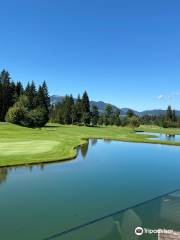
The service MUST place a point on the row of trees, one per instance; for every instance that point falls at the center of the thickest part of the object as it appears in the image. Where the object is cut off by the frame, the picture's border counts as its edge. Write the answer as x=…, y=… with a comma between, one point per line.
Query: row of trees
x=9, y=93
x=78, y=111
x=31, y=107
x=27, y=107
x=170, y=119
x=72, y=112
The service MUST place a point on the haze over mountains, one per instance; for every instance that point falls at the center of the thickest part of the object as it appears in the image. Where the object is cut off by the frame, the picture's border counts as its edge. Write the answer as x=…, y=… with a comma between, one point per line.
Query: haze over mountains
x=102, y=105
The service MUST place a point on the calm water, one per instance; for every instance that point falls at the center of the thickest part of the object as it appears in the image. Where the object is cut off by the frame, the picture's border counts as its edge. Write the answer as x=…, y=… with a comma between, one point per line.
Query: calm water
x=106, y=177
x=162, y=137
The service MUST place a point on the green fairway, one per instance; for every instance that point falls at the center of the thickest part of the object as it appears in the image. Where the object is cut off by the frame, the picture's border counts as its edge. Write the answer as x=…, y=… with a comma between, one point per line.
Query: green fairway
x=19, y=145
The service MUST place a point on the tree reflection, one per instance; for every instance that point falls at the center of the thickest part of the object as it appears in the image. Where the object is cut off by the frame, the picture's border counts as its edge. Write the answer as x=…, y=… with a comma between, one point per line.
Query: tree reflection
x=107, y=141
x=84, y=149
x=93, y=142
x=3, y=174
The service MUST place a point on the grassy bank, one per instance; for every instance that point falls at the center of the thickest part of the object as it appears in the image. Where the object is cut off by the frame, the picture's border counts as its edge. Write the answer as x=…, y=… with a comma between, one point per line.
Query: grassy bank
x=19, y=145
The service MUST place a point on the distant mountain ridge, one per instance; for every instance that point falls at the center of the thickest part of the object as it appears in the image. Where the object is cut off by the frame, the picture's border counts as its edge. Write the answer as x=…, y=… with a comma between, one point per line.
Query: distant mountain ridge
x=102, y=105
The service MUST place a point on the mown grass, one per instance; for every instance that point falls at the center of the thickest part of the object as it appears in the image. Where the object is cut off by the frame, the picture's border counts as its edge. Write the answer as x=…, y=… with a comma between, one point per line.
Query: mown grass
x=21, y=146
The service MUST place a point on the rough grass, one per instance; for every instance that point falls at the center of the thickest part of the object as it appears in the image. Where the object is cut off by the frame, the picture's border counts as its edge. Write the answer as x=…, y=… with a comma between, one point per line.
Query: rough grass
x=19, y=145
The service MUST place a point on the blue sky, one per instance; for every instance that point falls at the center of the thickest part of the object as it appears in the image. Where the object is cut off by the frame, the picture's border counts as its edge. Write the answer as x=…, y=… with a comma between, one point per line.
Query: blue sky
x=123, y=52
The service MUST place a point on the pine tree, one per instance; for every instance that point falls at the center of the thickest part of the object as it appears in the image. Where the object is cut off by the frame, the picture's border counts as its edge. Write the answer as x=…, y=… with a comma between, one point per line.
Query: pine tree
x=12, y=92
x=94, y=115
x=169, y=113
x=46, y=96
x=174, y=118
x=101, y=119
x=86, y=116
x=130, y=113
x=116, y=118
x=78, y=109
x=42, y=100
x=1, y=102
x=108, y=115
x=74, y=115
x=68, y=107
x=31, y=93
x=72, y=112
x=19, y=89
x=6, y=94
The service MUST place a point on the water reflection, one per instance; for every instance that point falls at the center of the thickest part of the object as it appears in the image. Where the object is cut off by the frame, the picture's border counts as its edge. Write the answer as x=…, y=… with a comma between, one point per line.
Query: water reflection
x=4, y=171
x=107, y=141
x=161, y=136
x=93, y=142
x=97, y=188
x=3, y=175
x=170, y=137
x=84, y=149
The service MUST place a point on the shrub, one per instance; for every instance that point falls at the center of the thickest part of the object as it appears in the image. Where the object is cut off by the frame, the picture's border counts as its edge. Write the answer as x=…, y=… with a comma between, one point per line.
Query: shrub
x=21, y=114
x=134, y=122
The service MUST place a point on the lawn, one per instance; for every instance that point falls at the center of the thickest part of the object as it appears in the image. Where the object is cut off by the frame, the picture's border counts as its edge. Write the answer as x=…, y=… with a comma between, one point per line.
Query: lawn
x=19, y=145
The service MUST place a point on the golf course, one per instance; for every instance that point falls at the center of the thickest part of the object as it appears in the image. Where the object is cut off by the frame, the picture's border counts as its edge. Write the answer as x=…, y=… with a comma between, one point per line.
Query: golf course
x=55, y=142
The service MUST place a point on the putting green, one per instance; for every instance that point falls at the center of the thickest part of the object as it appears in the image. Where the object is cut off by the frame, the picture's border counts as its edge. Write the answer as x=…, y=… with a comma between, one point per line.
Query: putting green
x=26, y=147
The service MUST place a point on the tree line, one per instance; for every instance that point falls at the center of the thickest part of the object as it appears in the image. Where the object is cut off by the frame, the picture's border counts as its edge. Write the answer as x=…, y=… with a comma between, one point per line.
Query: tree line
x=30, y=107
x=170, y=119
x=27, y=106
x=78, y=111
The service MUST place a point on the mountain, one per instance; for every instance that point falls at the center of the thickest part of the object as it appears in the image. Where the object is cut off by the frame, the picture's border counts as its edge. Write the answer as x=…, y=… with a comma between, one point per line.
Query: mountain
x=54, y=99
x=102, y=105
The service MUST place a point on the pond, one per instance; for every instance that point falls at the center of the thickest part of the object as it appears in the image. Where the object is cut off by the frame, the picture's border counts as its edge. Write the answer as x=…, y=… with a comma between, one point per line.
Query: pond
x=41, y=201
x=162, y=137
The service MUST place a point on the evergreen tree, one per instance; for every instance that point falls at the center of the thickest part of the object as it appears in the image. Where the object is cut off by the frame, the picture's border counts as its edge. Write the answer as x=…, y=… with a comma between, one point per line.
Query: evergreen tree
x=169, y=113
x=95, y=115
x=78, y=109
x=108, y=116
x=86, y=116
x=31, y=93
x=174, y=118
x=68, y=109
x=72, y=112
x=12, y=92
x=42, y=100
x=58, y=113
x=6, y=94
x=19, y=89
x=74, y=115
x=46, y=98
x=101, y=119
x=130, y=113
x=116, y=118
x=1, y=100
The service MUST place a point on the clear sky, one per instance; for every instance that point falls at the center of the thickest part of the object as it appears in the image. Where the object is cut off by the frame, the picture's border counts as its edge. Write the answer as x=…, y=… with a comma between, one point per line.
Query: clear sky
x=121, y=51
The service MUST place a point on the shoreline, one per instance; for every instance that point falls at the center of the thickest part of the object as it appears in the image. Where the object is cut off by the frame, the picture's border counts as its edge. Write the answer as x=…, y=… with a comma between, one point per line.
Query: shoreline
x=85, y=141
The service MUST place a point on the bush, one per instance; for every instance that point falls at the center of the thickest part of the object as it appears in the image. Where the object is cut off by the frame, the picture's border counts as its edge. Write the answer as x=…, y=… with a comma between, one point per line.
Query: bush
x=22, y=115
x=134, y=122
x=15, y=114
x=35, y=118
